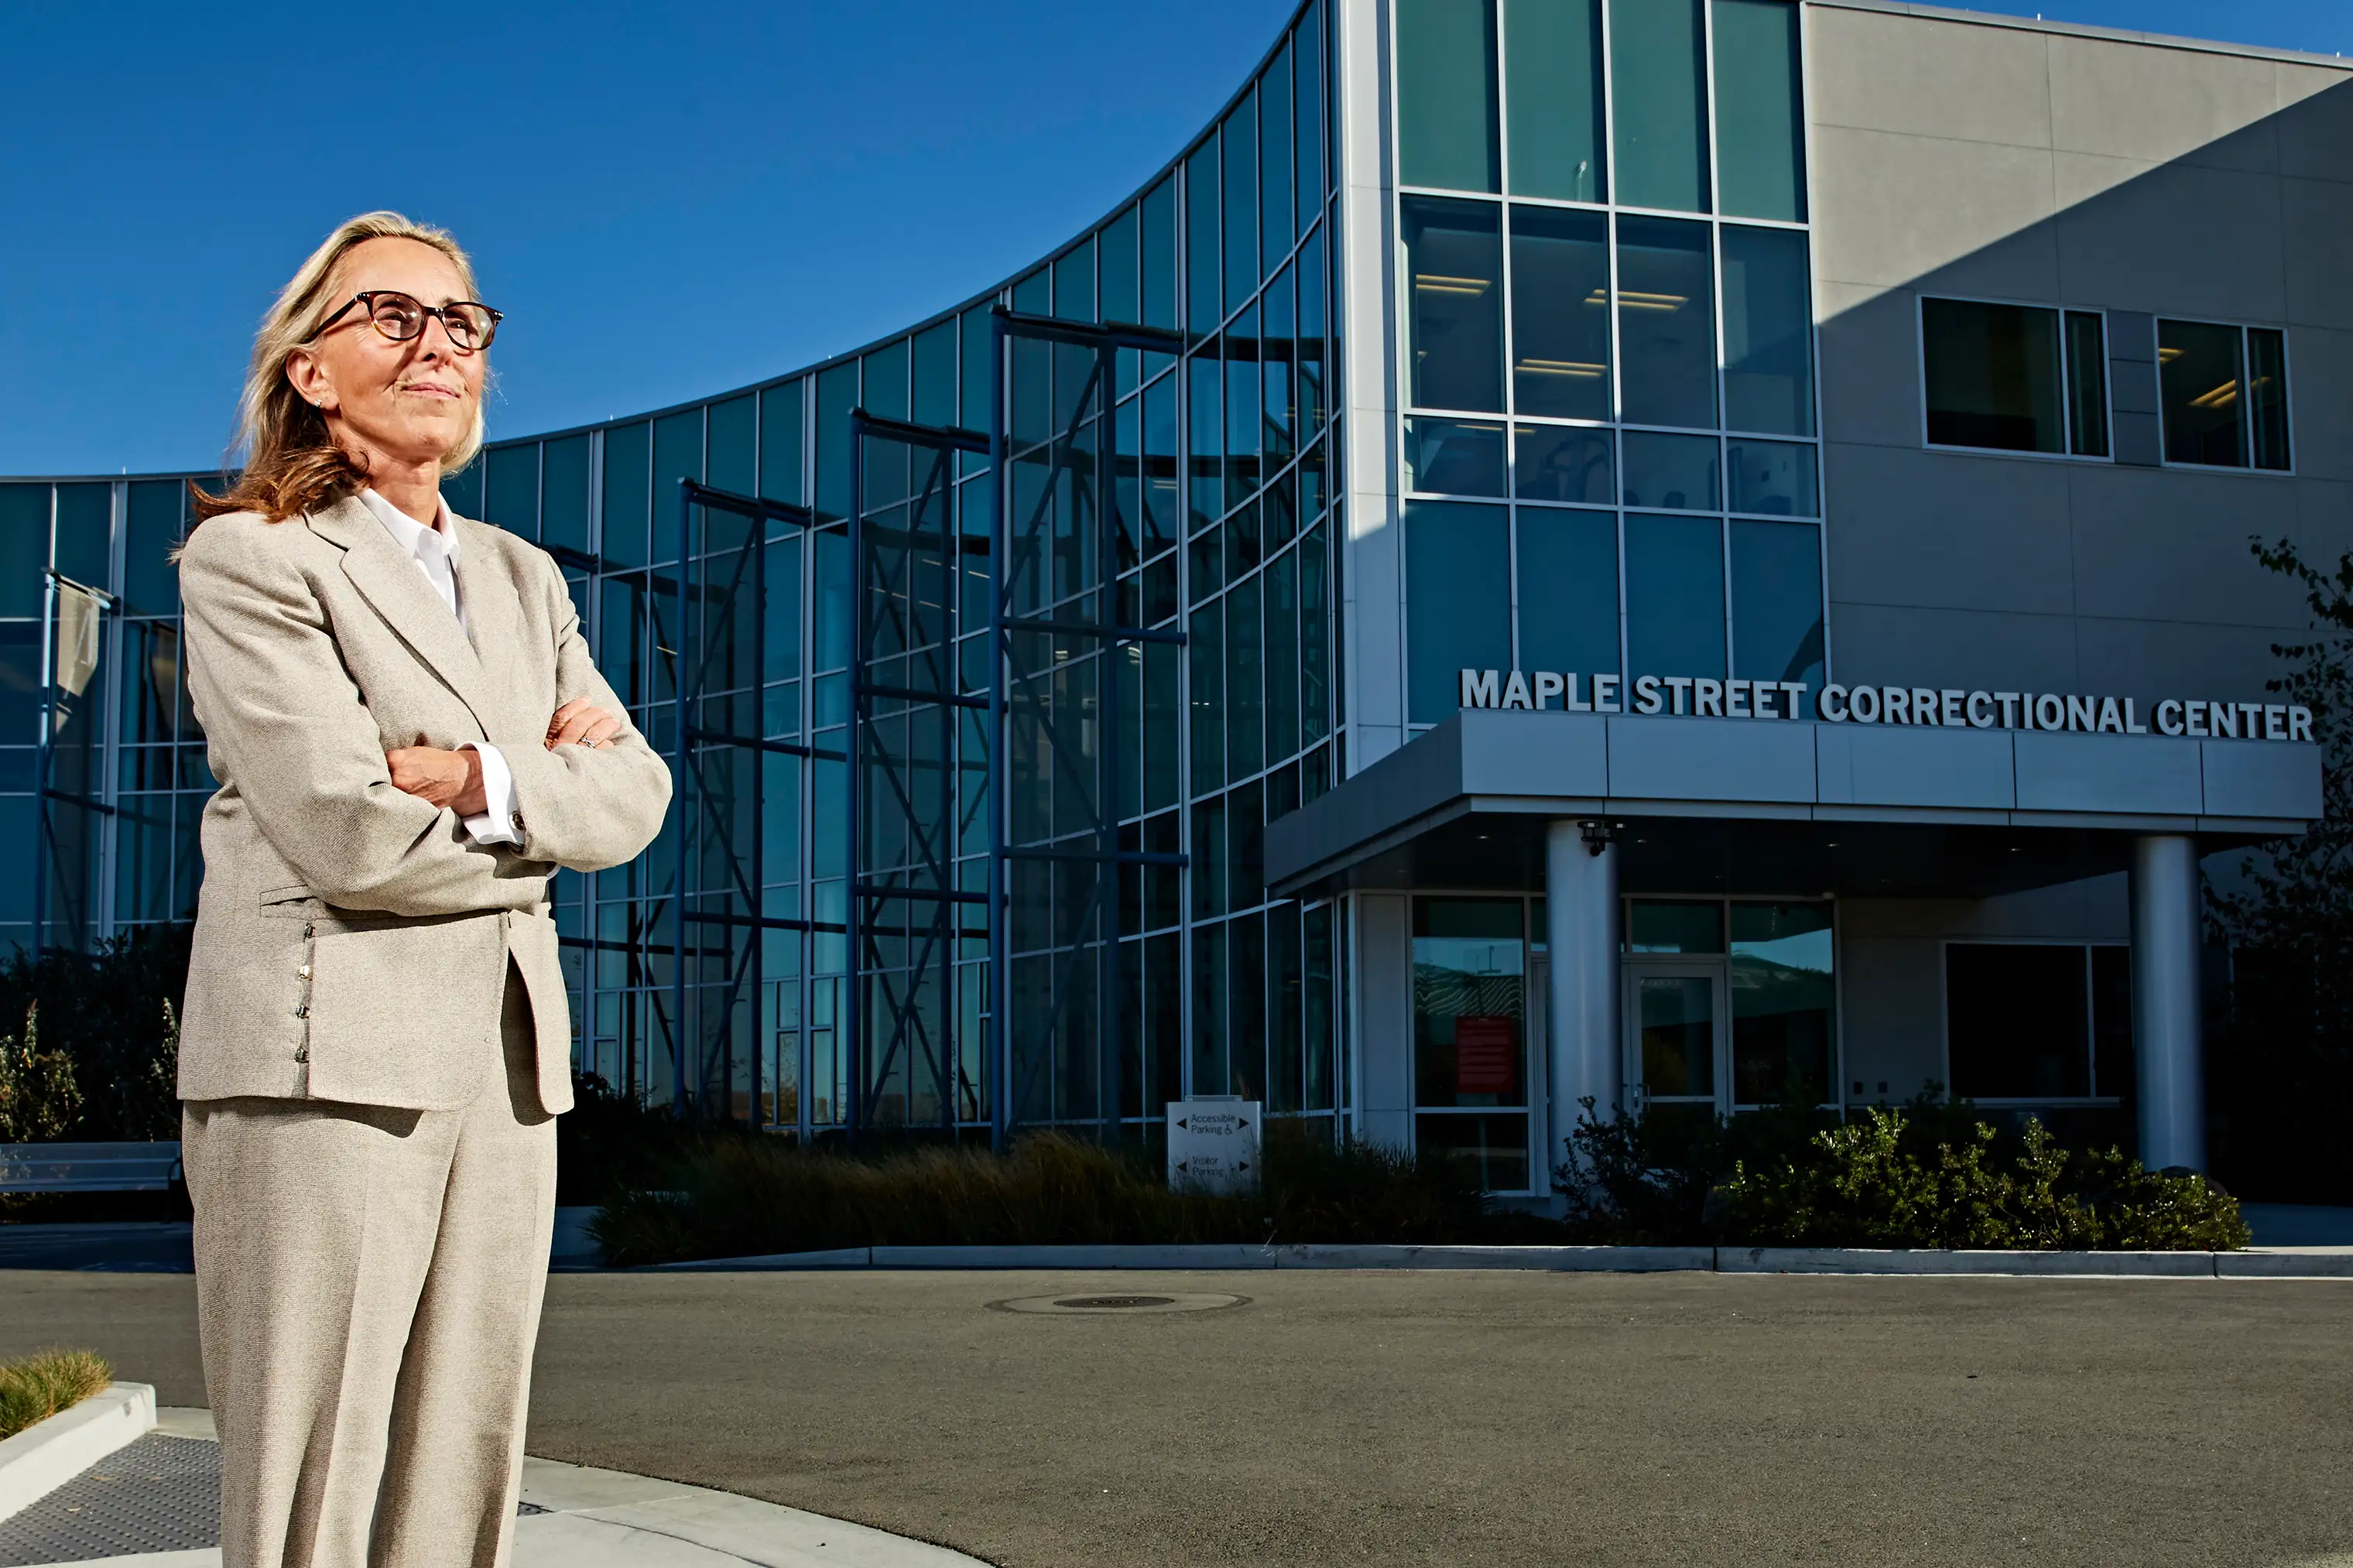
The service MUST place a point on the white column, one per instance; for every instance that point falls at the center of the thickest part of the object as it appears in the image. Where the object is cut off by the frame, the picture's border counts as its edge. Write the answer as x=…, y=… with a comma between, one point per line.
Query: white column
x=1581, y=930
x=2168, y=1054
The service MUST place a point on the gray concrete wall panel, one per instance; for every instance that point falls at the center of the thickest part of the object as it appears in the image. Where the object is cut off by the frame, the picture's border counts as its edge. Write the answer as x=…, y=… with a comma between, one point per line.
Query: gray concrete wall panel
x=1657, y=758
x=2153, y=660
x=1890, y=209
x=1383, y=1028
x=2173, y=238
x=2105, y=773
x=1979, y=649
x=1953, y=529
x=2159, y=105
x=1928, y=77
x=1870, y=364
x=2257, y=778
x=1566, y=756
x=2172, y=545
x=1864, y=764
x=2317, y=239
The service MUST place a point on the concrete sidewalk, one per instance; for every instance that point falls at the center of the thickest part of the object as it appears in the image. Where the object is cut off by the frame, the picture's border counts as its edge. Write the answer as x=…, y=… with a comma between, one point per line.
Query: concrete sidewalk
x=166, y=1489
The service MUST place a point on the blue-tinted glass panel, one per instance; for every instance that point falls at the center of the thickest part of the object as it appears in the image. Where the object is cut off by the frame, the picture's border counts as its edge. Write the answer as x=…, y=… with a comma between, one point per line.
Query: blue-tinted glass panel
x=734, y=445
x=935, y=373
x=1455, y=325
x=836, y=395
x=1277, y=351
x=24, y=547
x=1118, y=264
x=511, y=494
x=1074, y=282
x=150, y=582
x=1454, y=457
x=1275, y=230
x=1458, y=601
x=20, y=684
x=884, y=389
x=1552, y=63
x=1560, y=313
x=627, y=457
x=1161, y=502
x=678, y=455
x=1158, y=223
x=463, y=489
x=1241, y=407
x=1307, y=48
x=1674, y=597
x=1315, y=636
x=1776, y=477
x=1568, y=592
x=1777, y=603
x=1204, y=416
x=85, y=521
x=1768, y=337
x=1678, y=472
x=1563, y=463
x=1282, y=657
x=1240, y=138
x=1205, y=645
x=1245, y=683
x=1312, y=404
x=1759, y=123
x=1992, y=375
x=1659, y=83
x=976, y=372
x=564, y=504
x=1666, y=323
x=1202, y=264
x=1446, y=95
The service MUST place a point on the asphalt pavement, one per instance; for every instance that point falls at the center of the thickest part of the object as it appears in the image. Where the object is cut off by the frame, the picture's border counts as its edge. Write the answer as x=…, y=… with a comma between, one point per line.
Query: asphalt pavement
x=1396, y=1418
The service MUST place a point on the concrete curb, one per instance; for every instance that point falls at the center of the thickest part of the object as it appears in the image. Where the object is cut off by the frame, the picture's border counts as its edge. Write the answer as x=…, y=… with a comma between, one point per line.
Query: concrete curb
x=47, y=1454
x=2274, y=1263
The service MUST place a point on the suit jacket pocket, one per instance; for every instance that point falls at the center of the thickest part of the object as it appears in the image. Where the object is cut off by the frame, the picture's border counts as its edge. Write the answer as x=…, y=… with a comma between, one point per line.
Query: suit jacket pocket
x=403, y=1010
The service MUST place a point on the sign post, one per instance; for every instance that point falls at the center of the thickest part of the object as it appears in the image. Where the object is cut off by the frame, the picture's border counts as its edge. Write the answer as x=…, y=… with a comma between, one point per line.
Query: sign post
x=1213, y=1143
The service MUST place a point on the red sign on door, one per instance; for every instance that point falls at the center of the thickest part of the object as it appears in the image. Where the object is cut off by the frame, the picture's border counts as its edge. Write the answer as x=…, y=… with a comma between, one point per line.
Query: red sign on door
x=1486, y=1054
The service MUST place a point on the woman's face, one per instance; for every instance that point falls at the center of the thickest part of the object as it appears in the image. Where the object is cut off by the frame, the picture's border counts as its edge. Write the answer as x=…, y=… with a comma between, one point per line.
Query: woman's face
x=409, y=402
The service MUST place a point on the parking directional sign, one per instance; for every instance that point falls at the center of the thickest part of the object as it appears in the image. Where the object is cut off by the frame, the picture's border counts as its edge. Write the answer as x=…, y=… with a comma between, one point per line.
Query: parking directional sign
x=1213, y=1143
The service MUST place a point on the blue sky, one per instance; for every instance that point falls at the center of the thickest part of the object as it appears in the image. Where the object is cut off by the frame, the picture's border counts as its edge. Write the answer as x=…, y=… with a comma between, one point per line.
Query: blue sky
x=667, y=200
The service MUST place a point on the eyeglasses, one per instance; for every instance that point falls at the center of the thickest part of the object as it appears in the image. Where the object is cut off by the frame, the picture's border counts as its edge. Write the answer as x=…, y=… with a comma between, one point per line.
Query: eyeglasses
x=400, y=316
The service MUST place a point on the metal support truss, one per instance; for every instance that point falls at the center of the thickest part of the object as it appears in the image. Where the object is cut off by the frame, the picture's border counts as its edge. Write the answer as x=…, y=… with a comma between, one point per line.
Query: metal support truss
x=722, y=657
x=903, y=577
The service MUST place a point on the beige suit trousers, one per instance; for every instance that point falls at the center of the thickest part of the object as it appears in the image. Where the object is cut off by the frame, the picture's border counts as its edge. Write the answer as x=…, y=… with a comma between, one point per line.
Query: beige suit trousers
x=368, y=1287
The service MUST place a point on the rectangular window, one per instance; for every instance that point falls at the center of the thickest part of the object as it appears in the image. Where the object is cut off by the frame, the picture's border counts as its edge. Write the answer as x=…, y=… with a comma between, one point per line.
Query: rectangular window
x=1458, y=601
x=1676, y=472
x=1666, y=323
x=1776, y=477
x=1760, y=160
x=1768, y=336
x=1454, y=327
x=1782, y=996
x=1307, y=138
x=2021, y=1019
x=2224, y=391
x=1454, y=457
x=1158, y=226
x=1563, y=463
x=1240, y=137
x=1674, y=596
x=1469, y=1018
x=2011, y=378
x=1658, y=90
x=1568, y=592
x=627, y=449
x=1776, y=605
x=1446, y=95
x=510, y=493
x=1560, y=313
x=563, y=501
x=1552, y=65
x=1274, y=164
x=1201, y=262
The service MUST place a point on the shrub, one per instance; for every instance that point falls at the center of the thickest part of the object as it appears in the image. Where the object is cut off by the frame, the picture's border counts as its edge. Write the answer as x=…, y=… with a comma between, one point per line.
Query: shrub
x=38, y=1098
x=1931, y=1174
x=37, y=1387
x=111, y=1017
x=742, y=1195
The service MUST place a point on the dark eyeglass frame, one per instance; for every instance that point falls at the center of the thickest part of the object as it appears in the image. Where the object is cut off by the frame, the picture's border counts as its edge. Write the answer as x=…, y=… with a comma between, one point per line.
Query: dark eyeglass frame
x=368, y=297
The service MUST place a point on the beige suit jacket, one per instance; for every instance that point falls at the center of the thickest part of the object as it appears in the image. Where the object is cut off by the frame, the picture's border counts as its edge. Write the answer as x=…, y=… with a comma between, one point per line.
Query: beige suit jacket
x=352, y=940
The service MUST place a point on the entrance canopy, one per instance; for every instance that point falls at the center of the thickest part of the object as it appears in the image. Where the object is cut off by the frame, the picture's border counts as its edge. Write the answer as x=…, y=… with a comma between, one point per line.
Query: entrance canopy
x=1741, y=805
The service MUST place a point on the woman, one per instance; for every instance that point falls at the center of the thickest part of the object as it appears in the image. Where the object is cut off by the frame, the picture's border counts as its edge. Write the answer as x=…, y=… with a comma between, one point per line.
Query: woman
x=410, y=737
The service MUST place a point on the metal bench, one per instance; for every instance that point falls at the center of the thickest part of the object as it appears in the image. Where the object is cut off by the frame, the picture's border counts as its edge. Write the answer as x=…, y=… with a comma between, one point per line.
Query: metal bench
x=88, y=1167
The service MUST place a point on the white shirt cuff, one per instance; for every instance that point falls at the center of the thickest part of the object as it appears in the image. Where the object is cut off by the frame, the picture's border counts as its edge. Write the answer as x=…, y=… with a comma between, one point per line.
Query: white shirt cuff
x=492, y=827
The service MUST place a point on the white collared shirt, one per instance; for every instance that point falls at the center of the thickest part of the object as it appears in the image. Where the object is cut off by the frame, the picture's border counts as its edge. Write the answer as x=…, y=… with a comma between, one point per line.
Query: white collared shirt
x=435, y=551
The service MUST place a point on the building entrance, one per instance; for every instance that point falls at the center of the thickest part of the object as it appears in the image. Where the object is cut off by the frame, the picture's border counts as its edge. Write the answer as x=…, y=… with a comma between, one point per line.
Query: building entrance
x=1676, y=1042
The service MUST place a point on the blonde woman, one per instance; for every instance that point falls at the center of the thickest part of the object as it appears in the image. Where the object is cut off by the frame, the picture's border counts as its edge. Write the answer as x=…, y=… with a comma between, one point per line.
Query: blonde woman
x=410, y=737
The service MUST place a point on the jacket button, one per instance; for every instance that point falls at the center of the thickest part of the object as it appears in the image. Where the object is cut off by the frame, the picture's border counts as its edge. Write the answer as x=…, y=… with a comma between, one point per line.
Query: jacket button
x=303, y=1011
x=305, y=970
x=517, y=820
x=302, y=1053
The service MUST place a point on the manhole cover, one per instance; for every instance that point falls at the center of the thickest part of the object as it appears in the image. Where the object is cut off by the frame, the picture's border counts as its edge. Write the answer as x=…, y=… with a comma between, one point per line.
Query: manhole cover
x=1126, y=1306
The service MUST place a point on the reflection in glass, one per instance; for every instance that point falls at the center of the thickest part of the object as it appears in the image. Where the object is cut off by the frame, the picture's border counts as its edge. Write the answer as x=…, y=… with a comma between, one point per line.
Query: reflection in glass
x=1666, y=323
x=2016, y=1021
x=1678, y=1027
x=1674, y=597
x=1308, y=103
x=1458, y=600
x=1454, y=457
x=1201, y=266
x=2267, y=400
x=1782, y=992
x=1759, y=126
x=1240, y=137
x=2202, y=379
x=1446, y=94
x=1768, y=354
x=1552, y=63
x=1560, y=312
x=1275, y=230
x=1493, y=1148
x=1468, y=1002
x=1776, y=477
x=1675, y=471
x=1658, y=88
x=1563, y=463
x=1454, y=326
x=2087, y=383
x=1659, y=926
x=1568, y=592
x=1992, y=376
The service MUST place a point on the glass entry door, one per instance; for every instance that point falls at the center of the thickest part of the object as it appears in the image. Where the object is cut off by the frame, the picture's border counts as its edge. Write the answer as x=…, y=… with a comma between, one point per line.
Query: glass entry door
x=1676, y=1041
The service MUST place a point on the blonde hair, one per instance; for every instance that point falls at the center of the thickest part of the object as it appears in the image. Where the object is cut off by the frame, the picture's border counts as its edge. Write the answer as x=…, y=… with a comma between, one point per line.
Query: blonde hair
x=291, y=464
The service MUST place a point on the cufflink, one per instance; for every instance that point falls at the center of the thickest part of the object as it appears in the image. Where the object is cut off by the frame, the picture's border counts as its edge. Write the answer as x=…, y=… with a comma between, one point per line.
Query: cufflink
x=516, y=820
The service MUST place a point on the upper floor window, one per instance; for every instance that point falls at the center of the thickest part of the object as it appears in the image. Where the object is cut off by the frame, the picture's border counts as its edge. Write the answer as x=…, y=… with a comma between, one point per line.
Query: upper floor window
x=2014, y=378
x=2224, y=394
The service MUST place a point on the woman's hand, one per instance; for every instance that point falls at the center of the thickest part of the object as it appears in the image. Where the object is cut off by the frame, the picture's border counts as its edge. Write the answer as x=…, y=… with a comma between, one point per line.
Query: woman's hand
x=581, y=720
x=453, y=779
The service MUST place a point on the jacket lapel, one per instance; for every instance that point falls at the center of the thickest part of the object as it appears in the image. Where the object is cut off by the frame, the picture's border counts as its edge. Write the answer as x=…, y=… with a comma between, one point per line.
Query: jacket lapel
x=393, y=585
